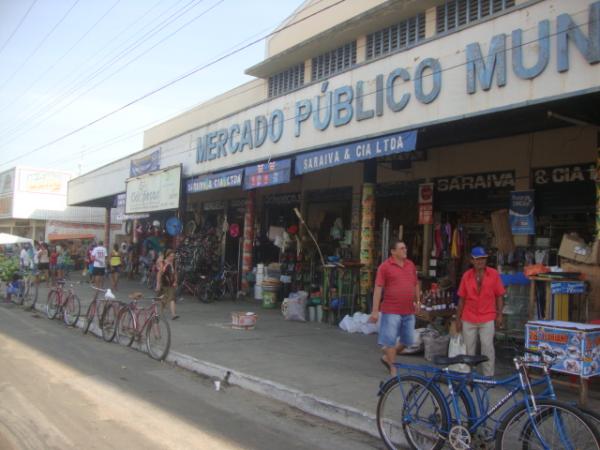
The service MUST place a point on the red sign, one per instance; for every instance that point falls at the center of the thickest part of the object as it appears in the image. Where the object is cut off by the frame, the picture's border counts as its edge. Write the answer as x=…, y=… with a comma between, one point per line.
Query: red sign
x=426, y=204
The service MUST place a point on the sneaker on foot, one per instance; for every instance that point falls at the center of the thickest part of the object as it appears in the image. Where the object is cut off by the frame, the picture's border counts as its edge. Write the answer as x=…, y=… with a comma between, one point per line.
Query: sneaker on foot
x=174, y=317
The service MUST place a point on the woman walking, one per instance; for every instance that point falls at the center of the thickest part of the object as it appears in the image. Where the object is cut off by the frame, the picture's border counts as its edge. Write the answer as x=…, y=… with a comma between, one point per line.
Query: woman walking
x=115, y=267
x=44, y=262
x=167, y=283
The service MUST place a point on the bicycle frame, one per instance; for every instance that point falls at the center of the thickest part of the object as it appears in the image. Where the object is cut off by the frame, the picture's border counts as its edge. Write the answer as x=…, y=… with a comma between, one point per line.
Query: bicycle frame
x=137, y=311
x=459, y=383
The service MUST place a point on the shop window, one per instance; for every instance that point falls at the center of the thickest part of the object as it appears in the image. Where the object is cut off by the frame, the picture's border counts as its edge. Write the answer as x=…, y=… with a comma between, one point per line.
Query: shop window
x=286, y=81
x=334, y=61
x=457, y=13
x=401, y=35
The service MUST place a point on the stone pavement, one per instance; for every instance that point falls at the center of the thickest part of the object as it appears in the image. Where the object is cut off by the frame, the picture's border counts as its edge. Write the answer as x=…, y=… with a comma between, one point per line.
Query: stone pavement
x=315, y=367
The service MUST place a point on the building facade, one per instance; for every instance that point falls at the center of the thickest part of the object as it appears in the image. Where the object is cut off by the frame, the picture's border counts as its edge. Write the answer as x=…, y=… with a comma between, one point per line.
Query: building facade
x=397, y=118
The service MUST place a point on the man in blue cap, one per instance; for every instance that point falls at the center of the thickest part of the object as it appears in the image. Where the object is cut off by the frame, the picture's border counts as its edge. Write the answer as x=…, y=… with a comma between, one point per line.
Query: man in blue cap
x=480, y=307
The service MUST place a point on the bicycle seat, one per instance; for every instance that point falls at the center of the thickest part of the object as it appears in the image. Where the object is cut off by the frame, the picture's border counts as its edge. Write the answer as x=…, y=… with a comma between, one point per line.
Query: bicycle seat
x=470, y=360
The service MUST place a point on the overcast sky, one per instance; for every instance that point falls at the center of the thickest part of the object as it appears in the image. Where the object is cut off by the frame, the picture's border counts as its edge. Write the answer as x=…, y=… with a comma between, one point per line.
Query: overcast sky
x=66, y=63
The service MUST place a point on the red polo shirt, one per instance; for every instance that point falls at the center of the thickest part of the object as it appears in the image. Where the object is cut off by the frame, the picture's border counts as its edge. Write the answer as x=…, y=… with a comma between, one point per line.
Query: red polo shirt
x=480, y=306
x=399, y=284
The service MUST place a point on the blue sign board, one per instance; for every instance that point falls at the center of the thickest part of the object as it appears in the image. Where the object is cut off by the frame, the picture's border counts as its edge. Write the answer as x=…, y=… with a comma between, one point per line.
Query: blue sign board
x=203, y=183
x=146, y=164
x=522, y=219
x=357, y=151
x=568, y=287
x=267, y=174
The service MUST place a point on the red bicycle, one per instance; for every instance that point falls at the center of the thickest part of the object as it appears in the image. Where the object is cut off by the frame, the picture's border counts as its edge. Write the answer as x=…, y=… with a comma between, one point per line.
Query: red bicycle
x=133, y=321
x=63, y=301
x=100, y=308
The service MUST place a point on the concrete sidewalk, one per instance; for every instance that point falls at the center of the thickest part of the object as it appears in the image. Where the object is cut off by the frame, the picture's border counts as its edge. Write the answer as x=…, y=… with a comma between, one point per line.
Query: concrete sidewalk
x=317, y=368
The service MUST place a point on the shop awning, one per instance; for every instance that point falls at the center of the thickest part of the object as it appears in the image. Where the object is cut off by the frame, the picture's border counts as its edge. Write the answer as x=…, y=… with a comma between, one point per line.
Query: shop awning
x=6, y=238
x=70, y=236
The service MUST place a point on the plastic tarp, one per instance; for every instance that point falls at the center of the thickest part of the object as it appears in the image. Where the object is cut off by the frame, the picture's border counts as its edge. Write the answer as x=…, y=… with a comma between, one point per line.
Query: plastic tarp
x=6, y=239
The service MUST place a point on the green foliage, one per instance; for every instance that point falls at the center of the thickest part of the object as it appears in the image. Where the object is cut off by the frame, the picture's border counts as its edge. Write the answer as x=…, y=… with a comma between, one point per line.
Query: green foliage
x=8, y=267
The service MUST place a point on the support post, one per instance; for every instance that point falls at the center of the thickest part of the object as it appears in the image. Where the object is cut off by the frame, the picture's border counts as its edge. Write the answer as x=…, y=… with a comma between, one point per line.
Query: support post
x=107, y=229
x=247, y=249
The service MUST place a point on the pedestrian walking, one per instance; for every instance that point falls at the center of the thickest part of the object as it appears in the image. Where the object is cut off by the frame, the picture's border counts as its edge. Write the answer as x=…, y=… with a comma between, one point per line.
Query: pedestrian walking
x=166, y=284
x=115, y=267
x=99, y=264
x=44, y=262
x=397, y=280
x=480, y=308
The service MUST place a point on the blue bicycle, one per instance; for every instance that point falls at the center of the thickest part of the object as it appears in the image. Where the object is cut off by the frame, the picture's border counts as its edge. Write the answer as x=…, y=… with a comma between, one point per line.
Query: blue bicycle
x=428, y=407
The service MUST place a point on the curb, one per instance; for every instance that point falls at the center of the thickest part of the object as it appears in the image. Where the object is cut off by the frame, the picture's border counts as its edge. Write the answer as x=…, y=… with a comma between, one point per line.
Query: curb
x=326, y=409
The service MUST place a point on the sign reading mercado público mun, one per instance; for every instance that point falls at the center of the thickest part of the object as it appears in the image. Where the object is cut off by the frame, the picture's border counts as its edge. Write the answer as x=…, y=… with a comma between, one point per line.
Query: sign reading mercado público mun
x=542, y=51
x=155, y=191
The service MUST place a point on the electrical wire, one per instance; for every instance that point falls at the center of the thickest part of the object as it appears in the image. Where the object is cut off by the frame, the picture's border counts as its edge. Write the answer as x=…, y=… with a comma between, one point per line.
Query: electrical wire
x=43, y=74
x=229, y=54
x=170, y=83
x=18, y=26
x=107, y=65
x=35, y=50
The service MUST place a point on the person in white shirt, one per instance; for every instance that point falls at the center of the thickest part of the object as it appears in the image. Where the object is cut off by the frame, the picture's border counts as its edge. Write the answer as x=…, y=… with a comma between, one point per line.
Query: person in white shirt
x=24, y=258
x=99, y=264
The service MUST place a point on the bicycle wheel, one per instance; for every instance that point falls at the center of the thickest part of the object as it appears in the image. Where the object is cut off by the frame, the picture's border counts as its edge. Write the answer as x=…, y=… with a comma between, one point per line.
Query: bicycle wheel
x=52, y=304
x=109, y=323
x=125, y=327
x=203, y=293
x=557, y=425
x=71, y=310
x=89, y=317
x=158, y=338
x=592, y=416
x=410, y=411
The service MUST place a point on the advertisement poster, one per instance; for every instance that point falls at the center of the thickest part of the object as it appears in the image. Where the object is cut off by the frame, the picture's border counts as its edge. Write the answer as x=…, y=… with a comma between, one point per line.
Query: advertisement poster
x=577, y=347
x=426, y=204
x=268, y=174
x=522, y=206
x=156, y=191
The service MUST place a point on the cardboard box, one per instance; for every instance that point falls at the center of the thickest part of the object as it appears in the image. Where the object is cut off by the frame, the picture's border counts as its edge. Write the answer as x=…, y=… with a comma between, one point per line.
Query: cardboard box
x=574, y=248
x=591, y=274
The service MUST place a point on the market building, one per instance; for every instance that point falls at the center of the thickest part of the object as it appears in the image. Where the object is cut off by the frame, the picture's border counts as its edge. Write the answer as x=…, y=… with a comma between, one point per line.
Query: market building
x=448, y=124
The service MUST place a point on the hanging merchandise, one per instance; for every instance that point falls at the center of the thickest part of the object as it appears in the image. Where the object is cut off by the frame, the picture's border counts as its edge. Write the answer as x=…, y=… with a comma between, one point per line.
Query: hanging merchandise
x=174, y=226
x=455, y=246
x=438, y=240
x=234, y=230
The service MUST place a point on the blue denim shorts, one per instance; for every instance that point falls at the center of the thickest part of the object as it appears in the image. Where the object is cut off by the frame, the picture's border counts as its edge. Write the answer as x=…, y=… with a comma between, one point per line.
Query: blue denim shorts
x=394, y=326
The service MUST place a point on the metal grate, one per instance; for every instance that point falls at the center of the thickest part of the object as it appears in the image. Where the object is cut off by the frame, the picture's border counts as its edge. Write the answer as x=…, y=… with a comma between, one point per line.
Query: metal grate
x=335, y=61
x=398, y=36
x=456, y=13
x=286, y=81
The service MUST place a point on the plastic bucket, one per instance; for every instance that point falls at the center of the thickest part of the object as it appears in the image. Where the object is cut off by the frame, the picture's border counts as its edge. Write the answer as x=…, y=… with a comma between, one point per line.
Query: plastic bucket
x=269, y=297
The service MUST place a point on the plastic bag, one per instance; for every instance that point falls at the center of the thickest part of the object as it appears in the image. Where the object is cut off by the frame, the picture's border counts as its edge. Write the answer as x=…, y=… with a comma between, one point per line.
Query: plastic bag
x=294, y=307
x=457, y=347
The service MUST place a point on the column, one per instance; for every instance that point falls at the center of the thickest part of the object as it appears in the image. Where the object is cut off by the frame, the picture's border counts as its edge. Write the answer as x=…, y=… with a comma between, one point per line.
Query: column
x=107, y=228
x=367, y=244
x=247, y=248
x=598, y=189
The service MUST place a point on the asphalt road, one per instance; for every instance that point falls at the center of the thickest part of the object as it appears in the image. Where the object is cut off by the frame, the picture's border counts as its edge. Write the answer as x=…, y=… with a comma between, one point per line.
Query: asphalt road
x=62, y=389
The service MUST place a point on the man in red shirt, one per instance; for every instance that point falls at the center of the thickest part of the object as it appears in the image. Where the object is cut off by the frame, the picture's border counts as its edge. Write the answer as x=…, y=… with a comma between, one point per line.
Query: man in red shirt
x=480, y=305
x=397, y=278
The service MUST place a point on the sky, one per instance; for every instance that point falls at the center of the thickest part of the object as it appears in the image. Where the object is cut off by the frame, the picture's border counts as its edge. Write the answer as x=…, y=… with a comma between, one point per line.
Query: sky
x=67, y=63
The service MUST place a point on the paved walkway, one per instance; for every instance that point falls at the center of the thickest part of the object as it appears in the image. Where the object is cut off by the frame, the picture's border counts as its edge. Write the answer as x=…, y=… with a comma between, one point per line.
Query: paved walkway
x=315, y=367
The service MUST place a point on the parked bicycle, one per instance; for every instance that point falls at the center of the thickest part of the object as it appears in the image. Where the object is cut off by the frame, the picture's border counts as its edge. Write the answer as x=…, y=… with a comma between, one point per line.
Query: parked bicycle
x=63, y=301
x=23, y=291
x=220, y=286
x=430, y=407
x=133, y=321
x=101, y=309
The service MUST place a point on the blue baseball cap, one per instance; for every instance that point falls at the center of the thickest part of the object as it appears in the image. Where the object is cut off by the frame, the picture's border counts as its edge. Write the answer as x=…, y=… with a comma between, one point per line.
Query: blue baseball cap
x=478, y=252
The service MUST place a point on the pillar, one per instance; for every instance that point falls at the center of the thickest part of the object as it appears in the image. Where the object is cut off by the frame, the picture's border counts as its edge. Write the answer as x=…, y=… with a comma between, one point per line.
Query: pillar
x=248, y=245
x=598, y=187
x=107, y=229
x=367, y=238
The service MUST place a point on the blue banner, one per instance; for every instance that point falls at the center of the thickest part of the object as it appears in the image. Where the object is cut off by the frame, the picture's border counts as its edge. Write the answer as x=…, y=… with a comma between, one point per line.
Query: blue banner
x=568, y=287
x=522, y=219
x=267, y=174
x=149, y=163
x=203, y=183
x=356, y=151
